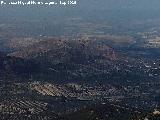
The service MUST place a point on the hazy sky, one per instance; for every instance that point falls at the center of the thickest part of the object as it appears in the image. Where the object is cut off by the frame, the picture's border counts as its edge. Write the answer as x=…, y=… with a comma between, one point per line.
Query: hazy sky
x=84, y=7
x=107, y=4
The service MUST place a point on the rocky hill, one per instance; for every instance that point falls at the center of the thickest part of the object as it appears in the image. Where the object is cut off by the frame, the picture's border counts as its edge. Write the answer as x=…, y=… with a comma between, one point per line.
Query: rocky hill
x=81, y=50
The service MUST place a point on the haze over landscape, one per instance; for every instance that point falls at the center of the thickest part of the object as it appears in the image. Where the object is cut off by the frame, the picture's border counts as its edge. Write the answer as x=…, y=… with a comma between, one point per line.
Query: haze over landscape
x=96, y=60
